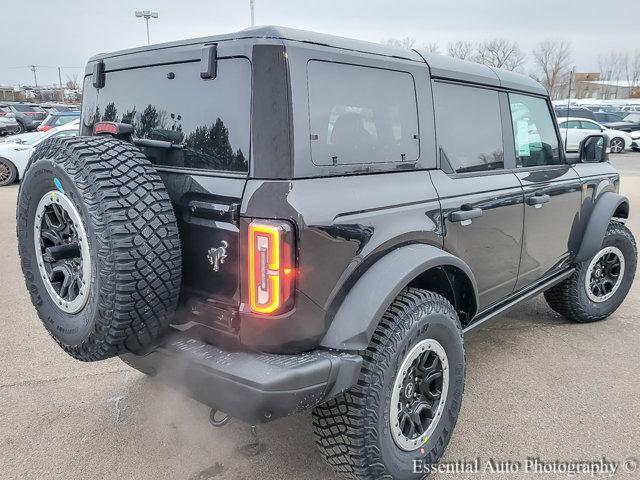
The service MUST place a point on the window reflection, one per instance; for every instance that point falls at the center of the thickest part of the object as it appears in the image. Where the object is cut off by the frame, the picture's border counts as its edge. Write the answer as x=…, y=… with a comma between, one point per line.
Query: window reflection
x=206, y=122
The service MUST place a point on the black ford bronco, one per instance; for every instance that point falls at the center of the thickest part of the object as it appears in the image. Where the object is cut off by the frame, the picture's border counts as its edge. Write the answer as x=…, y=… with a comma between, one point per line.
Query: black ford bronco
x=276, y=220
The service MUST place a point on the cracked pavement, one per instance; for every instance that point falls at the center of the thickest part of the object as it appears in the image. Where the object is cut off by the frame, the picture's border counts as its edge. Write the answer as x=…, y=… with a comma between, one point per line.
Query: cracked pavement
x=536, y=386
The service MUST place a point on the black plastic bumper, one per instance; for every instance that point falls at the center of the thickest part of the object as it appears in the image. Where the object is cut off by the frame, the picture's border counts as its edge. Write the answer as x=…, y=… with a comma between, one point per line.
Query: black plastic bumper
x=254, y=387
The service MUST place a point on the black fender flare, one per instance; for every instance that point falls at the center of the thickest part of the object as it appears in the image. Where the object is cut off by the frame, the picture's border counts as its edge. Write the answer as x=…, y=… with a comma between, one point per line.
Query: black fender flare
x=360, y=312
x=602, y=213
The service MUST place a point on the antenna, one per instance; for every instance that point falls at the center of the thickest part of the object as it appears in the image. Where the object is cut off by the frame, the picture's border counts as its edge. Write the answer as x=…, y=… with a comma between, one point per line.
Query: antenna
x=566, y=128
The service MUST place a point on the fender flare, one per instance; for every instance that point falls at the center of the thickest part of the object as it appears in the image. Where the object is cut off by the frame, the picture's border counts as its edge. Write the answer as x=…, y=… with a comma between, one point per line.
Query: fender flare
x=360, y=312
x=598, y=222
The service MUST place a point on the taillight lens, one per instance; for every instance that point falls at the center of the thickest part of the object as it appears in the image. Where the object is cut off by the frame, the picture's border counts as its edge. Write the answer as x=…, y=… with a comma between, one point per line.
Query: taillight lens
x=271, y=267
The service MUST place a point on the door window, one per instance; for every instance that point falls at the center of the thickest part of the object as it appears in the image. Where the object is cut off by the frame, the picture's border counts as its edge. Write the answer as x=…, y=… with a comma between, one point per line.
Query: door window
x=468, y=128
x=589, y=126
x=535, y=135
x=575, y=124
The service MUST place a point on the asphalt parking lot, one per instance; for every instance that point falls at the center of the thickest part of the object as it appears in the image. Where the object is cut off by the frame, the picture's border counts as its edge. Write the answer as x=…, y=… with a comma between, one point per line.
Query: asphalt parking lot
x=536, y=386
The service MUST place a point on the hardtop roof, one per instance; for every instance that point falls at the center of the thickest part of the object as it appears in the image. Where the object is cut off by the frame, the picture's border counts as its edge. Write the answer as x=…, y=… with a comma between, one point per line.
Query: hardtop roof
x=441, y=66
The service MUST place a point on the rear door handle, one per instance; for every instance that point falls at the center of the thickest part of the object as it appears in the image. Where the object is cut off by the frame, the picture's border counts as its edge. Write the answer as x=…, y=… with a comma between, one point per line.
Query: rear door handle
x=538, y=200
x=463, y=215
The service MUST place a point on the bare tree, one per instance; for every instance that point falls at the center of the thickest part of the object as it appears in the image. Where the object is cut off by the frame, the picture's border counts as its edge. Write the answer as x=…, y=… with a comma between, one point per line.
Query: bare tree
x=72, y=81
x=613, y=67
x=406, y=42
x=500, y=53
x=431, y=47
x=461, y=50
x=634, y=69
x=552, y=58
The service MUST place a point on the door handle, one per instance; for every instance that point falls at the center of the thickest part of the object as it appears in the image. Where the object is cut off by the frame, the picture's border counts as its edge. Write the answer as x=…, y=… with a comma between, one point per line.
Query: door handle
x=465, y=214
x=538, y=200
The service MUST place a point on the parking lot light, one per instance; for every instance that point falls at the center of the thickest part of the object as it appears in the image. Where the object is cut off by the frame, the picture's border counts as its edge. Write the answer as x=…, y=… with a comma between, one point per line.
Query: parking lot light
x=146, y=14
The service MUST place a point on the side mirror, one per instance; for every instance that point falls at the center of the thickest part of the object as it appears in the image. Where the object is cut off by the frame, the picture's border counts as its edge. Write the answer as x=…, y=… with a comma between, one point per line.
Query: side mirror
x=594, y=149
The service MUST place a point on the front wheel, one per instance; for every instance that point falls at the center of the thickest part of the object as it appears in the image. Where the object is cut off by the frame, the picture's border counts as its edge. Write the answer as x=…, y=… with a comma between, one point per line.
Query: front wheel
x=617, y=145
x=399, y=417
x=599, y=285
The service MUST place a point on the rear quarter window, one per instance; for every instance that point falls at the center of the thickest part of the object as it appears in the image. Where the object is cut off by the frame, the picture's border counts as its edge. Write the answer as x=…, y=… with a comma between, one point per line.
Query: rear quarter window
x=208, y=121
x=361, y=115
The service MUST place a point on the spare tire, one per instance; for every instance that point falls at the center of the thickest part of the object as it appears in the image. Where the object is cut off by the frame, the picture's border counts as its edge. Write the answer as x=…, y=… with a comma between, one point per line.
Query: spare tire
x=99, y=246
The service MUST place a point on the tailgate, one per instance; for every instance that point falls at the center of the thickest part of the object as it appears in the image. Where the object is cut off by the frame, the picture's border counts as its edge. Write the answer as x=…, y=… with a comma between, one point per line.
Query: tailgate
x=207, y=212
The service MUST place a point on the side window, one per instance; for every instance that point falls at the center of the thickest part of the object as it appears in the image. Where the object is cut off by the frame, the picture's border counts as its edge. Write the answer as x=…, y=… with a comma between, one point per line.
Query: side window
x=361, y=115
x=570, y=124
x=535, y=135
x=589, y=126
x=468, y=128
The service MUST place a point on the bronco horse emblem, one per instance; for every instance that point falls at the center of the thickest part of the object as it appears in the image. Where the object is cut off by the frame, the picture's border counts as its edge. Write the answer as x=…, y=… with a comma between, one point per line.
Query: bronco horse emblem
x=216, y=256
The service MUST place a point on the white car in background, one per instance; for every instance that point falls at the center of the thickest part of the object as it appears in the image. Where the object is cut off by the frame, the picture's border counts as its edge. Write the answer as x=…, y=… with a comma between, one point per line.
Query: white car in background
x=14, y=155
x=574, y=130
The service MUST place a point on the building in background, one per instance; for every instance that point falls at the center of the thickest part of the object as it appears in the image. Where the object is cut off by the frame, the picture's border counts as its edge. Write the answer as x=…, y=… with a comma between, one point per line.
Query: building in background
x=592, y=85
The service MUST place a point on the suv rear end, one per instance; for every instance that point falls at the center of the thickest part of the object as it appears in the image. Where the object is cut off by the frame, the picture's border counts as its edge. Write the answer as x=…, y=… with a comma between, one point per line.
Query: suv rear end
x=29, y=116
x=211, y=119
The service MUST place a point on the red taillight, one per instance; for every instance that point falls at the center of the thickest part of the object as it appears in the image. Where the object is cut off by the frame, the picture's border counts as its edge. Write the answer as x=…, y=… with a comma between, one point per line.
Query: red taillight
x=44, y=128
x=113, y=128
x=271, y=267
x=106, y=127
x=32, y=114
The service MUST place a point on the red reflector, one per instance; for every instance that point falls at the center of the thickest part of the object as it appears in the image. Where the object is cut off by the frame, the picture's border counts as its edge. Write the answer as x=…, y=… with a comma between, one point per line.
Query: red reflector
x=271, y=272
x=106, y=127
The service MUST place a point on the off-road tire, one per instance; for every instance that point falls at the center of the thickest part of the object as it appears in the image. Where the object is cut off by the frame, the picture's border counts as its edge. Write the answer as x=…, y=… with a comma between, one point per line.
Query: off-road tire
x=133, y=240
x=353, y=432
x=569, y=298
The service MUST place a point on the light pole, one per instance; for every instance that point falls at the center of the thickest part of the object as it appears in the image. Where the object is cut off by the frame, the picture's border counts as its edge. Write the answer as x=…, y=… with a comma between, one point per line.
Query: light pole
x=252, y=5
x=146, y=14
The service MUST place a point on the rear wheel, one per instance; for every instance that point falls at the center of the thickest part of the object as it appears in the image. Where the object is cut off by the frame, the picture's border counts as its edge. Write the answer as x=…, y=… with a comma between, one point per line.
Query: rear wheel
x=617, y=145
x=600, y=284
x=8, y=172
x=21, y=128
x=406, y=403
x=99, y=246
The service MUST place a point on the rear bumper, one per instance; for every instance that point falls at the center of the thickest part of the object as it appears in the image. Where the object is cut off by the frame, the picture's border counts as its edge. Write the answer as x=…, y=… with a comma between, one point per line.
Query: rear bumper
x=8, y=127
x=254, y=387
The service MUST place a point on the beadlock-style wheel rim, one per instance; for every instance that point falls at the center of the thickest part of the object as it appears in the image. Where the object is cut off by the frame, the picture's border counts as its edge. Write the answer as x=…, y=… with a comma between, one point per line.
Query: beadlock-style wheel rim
x=604, y=274
x=419, y=395
x=62, y=252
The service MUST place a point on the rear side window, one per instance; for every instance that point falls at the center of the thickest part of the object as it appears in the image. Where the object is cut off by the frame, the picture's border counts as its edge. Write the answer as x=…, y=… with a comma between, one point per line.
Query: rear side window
x=361, y=115
x=27, y=108
x=535, y=135
x=207, y=121
x=468, y=128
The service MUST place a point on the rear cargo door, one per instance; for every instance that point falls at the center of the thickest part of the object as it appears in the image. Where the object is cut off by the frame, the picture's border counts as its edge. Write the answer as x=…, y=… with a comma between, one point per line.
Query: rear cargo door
x=196, y=132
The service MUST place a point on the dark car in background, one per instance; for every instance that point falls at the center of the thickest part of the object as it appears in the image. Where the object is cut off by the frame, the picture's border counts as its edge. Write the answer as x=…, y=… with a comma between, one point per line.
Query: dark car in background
x=29, y=116
x=617, y=121
x=56, y=107
x=57, y=119
x=579, y=112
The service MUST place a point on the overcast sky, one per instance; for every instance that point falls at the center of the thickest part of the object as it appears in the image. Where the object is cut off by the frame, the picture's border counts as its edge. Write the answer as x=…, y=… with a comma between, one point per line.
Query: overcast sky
x=67, y=32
